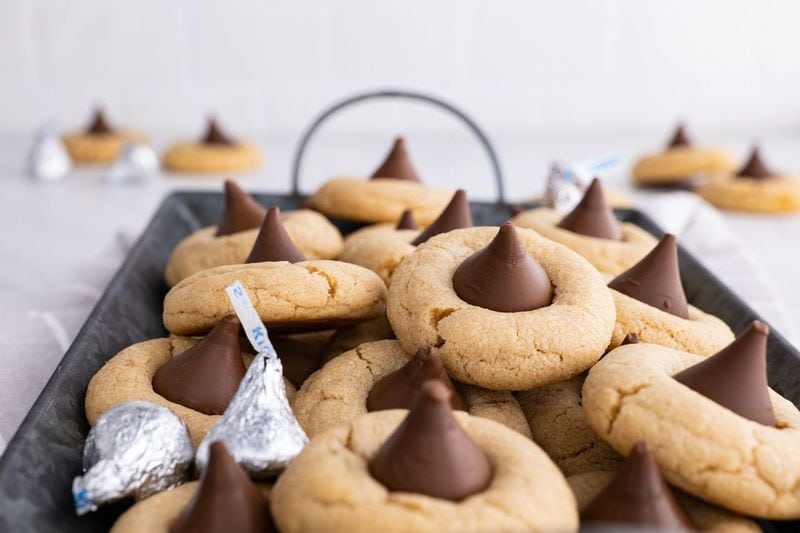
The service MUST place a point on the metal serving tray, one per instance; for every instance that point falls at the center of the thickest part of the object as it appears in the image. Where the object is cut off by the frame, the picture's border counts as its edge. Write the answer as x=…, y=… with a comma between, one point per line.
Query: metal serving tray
x=37, y=468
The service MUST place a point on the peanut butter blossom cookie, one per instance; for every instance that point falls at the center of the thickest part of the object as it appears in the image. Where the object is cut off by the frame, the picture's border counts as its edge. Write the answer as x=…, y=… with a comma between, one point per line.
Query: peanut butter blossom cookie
x=381, y=375
x=214, y=152
x=651, y=303
x=225, y=499
x=715, y=428
x=393, y=188
x=681, y=164
x=755, y=187
x=508, y=309
x=592, y=230
x=427, y=469
x=99, y=143
x=197, y=383
x=229, y=242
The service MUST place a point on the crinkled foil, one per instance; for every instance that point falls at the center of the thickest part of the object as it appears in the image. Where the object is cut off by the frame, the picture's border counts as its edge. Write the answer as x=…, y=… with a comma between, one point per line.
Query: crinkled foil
x=135, y=164
x=48, y=160
x=258, y=427
x=135, y=449
x=564, y=188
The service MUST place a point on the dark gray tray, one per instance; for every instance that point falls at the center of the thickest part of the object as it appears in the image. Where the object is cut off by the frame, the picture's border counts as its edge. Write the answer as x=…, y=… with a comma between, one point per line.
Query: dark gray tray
x=37, y=468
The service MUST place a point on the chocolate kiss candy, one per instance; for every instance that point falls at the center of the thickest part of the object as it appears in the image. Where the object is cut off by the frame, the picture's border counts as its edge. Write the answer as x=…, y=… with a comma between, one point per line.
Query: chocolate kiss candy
x=215, y=135
x=630, y=338
x=206, y=376
x=656, y=280
x=736, y=377
x=593, y=216
x=273, y=243
x=503, y=276
x=755, y=167
x=455, y=216
x=430, y=454
x=399, y=390
x=397, y=164
x=226, y=500
x=99, y=124
x=242, y=211
x=407, y=221
x=679, y=138
x=639, y=496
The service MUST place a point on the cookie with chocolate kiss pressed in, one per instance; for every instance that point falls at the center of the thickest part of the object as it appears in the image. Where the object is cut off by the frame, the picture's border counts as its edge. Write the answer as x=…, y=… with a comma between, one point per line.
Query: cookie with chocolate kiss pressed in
x=381, y=375
x=553, y=300
x=735, y=452
x=650, y=303
x=591, y=230
x=755, y=187
x=215, y=151
x=231, y=241
x=392, y=188
x=377, y=471
x=99, y=142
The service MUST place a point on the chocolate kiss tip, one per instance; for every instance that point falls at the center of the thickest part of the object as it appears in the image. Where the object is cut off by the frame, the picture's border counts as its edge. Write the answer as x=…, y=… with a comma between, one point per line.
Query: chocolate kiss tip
x=630, y=338
x=456, y=215
x=638, y=495
x=736, y=377
x=273, y=243
x=242, y=211
x=399, y=390
x=226, y=499
x=214, y=133
x=656, y=279
x=503, y=276
x=206, y=376
x=679, y=138
x=407, y=221
x=397, y=164
x=755, y=166
x=99, y=124
x=593, y=216
x=429, y=453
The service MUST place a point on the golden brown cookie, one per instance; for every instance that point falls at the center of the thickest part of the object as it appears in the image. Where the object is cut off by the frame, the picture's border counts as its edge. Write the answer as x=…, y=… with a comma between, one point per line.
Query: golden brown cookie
x=588, y=485
x=337, y=393
x=128, y=376
x=328, y=487
x=681, y=164
x=290, y=297
x=700, y=446
x=99, y=143
x=777, y=194
x=558, y=425
x=313, y=234
x=348, y=338
x=502, y=350
x=607, y=256
x=215, y=152
x=379, y=250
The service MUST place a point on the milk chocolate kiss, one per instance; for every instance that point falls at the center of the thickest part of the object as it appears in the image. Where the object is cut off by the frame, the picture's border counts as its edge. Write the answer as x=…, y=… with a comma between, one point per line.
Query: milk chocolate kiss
x=226, y=500
x=638, y=496
x=242, y=211
x=397, y=164
x=273, y=242
x=99, y=125
x=736, y=377
x=455, y=216
x=755, y=167
x=656, y=280
x=430, y=454
x=399, y=390
x=679, y=138
x=215, y=135
x=407, y=221
x=503, y=276
x=630, y=338
x=593, y=216
x=206, y=376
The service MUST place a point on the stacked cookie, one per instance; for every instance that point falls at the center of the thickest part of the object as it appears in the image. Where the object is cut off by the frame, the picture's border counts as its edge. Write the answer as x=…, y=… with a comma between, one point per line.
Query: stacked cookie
x=457, y=378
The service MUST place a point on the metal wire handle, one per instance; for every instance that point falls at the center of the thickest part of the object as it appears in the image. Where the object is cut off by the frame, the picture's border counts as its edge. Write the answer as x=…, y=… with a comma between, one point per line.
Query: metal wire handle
x=410, y=95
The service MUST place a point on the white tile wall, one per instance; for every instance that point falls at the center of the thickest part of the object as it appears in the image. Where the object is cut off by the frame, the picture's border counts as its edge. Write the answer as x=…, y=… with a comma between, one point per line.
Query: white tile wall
x=580, y=68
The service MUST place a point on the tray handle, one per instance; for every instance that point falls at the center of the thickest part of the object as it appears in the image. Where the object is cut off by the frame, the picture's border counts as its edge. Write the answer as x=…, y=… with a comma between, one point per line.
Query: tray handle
x=491, y=153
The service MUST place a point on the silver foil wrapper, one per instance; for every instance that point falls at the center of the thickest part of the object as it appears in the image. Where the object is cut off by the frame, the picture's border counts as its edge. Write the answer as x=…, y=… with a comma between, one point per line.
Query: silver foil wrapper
x=135, y=449
x=135, y=164
x=258, y=427
x=564, y=188
x=48, y=160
